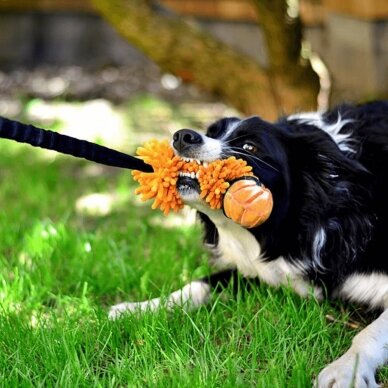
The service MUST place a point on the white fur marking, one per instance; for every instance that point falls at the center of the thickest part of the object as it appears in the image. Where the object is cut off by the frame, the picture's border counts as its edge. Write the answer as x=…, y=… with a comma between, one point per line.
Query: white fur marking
x=231, y=127
x=370, y=289
x=211, y=150
x=191, y=296
x=318, y=244
x=238, y=248
x=343, y=140
x=357, y=367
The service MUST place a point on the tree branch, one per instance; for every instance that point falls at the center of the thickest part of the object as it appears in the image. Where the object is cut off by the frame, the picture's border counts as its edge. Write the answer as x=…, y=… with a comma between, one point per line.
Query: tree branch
x=187, y=51
x=283, y=36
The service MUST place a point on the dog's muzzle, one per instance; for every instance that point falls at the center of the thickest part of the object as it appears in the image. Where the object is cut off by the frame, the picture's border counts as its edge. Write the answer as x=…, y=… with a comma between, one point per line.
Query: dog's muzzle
x=186, y=140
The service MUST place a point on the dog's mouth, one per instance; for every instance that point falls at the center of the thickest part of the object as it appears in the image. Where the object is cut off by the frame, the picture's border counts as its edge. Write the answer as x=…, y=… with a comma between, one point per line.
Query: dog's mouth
x=187, y=185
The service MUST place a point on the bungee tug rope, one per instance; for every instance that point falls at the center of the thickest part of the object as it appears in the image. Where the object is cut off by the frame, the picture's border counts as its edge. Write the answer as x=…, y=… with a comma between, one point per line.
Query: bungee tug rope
x=246, y=201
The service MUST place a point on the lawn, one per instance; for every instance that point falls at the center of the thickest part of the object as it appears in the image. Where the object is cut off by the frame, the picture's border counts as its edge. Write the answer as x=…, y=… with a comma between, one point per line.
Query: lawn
x=67, y=255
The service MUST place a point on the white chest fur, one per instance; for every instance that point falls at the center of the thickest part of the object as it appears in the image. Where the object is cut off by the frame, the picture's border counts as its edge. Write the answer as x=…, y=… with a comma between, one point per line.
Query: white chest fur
x=238, y=248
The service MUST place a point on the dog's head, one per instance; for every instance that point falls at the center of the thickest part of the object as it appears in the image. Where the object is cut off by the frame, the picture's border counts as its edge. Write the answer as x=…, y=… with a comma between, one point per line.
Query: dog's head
x=254, y=140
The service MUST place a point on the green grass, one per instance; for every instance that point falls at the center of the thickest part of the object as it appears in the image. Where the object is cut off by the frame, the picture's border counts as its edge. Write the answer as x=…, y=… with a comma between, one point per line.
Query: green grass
x=60, y=270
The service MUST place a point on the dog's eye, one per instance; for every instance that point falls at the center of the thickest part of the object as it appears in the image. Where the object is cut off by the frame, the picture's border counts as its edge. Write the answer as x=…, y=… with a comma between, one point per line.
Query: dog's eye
x=249, y=147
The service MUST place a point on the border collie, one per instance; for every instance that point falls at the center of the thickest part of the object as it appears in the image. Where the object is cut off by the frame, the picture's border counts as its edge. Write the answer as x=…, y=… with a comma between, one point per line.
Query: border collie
x=328, y=231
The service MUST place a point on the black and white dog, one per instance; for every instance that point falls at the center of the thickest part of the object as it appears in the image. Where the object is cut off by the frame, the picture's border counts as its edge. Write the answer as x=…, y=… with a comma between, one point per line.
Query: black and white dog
x=328, y=232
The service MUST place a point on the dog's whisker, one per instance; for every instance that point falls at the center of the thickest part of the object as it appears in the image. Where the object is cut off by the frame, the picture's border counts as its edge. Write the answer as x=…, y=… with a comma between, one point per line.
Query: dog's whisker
x=234, y=139
x=237, y=151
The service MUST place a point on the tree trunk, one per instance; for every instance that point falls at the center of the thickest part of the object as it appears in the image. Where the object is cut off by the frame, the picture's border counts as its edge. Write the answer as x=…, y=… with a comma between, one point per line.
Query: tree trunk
x=185, y=50
x=283, y=35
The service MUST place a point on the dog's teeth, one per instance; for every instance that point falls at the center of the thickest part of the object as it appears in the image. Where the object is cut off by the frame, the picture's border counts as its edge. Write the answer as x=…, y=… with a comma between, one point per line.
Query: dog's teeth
x=191, y=175
x=188, y=160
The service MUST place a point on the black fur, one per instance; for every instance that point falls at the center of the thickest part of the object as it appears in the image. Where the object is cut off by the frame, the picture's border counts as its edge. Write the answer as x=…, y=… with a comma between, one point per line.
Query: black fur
x=318, y=186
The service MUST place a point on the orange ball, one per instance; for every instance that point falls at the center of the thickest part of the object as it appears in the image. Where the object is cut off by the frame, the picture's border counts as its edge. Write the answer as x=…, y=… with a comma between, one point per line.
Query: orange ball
x=248, y=202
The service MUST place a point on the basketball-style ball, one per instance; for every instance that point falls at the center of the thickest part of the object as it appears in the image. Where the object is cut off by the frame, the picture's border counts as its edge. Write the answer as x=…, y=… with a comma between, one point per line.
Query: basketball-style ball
x=248, y=202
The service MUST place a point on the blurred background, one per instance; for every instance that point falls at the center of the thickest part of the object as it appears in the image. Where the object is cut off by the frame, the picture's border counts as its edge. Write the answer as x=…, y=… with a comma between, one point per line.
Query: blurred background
x=200, y=58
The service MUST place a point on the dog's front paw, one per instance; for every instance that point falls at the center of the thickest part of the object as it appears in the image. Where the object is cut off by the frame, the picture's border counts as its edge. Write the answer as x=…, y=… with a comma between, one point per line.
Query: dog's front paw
x=118, y=310
x=352, y=370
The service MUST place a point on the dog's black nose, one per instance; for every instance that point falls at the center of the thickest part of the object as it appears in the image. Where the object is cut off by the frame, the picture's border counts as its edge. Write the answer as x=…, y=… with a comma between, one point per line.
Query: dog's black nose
x=185, y=138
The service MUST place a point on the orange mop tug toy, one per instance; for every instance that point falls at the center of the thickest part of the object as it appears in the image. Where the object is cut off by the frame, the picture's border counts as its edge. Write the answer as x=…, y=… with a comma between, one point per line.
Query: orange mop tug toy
x=246, y=201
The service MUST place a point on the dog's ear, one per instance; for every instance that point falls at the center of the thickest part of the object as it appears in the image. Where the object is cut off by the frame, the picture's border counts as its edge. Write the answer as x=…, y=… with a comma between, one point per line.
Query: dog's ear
x=315, y=151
